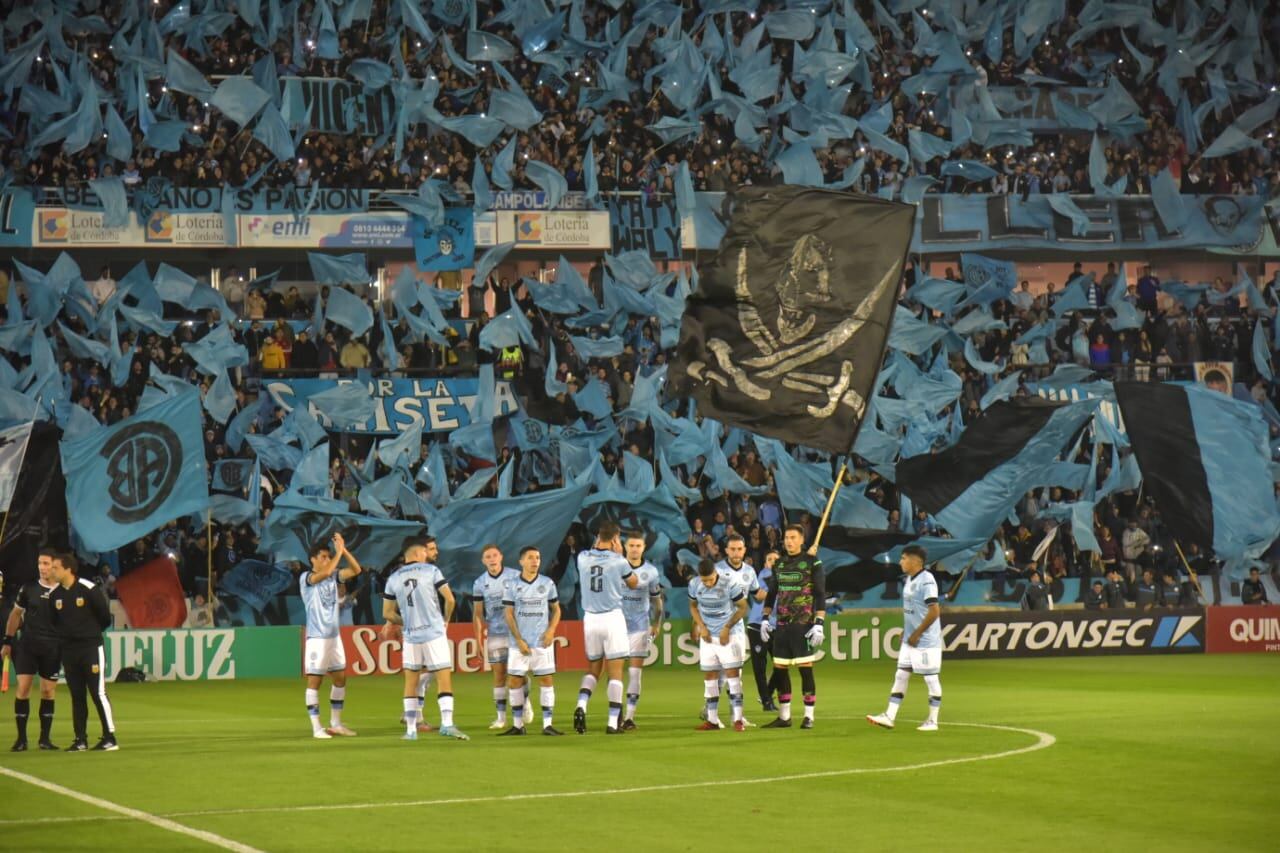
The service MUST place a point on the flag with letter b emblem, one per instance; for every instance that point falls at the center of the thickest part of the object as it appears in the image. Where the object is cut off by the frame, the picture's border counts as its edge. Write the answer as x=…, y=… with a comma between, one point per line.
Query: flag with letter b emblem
x=127, y=480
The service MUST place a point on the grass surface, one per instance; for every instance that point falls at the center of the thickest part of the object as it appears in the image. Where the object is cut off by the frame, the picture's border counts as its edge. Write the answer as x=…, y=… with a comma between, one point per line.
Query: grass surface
x=1173, y=753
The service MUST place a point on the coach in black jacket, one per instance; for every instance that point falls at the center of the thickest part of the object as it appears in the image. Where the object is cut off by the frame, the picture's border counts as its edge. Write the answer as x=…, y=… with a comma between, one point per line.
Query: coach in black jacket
x=80, y=615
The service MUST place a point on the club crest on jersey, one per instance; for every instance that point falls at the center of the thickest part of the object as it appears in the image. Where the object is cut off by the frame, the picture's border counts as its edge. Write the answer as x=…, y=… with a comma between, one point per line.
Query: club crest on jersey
x=57, y=605
x=79, y=602
x=95, y=669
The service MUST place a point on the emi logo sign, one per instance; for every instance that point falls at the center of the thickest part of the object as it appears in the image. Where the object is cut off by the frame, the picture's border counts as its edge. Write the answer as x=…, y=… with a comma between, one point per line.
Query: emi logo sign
x=143, y=462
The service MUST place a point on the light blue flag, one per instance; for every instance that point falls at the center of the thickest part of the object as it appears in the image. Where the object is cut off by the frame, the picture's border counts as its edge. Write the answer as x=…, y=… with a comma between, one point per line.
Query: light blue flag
x=1098, y=172
x=231, y=475
x=673, y=482
x=1190, y=295
x=591, y=173
x=504, y=164
x=490, y=260
x=1127, y=315
x=597, y=347
x=274, y=453
x=115, y=204
x=1071, y=117
x=1065, y=375
x=880, y=142
x=638, y=473
x=371, y=73
x=475, y=484
x=229, y=509
x=1074, y=296
x=925, y=146
x=346, y=405
x=541, y=520
x=508, y=329
x=794, y=24
x=317, y=316
x=1064, y=206
x=481, y=194
x=1002, y=390
x=349, y=311
x=551, y=386
x=914, y=188
x=338, y=269
x=387, y=352
x=239, y=99
x=272, y=132
x=82, y=347
x=940, y=294
x=980, y=271
x=970, y=170
x=799, y=166
x=298, y=521
x=1168, y=201
x=254, y=582
x=486, y=47
x=990, y=368
x=912, y=335
x=1262, y=352
x=1232, y=140
x=548, y=179
x=305, y=426
x=127, y=480
x=217, y=351
x=238, y=427
x=220, y=399
x=670, y=129
x=984, y=505
x=181, y=76
x=435, y=476
x=311, y=476
x=723, y=478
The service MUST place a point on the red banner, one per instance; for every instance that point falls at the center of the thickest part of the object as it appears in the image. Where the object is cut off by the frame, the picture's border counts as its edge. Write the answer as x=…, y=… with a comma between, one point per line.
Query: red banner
x=1243, y=629
x=152, y=595
x=369, y=654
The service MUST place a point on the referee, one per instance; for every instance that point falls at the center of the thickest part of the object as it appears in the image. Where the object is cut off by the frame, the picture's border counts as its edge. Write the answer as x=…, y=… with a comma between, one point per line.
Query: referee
x=35, y=652
x=80, y=615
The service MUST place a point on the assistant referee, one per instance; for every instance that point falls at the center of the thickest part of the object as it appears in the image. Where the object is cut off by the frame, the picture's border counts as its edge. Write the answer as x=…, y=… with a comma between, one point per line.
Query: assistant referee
x=80, y=615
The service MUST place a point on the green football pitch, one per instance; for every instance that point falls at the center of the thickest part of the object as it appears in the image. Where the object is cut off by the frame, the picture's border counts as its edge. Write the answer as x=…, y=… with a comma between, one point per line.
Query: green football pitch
x=1130, y=753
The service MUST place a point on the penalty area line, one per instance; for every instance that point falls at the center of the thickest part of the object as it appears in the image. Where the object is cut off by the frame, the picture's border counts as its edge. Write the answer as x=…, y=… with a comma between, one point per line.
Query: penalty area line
x=127, y=813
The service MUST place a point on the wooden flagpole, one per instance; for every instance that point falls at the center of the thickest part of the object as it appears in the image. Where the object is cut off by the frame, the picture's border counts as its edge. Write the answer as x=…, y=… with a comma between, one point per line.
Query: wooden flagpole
x=1190, y=571
x=831, y=502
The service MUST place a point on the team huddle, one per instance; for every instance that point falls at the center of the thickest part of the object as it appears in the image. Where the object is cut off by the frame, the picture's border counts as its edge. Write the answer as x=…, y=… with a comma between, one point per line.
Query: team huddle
x=737, y=612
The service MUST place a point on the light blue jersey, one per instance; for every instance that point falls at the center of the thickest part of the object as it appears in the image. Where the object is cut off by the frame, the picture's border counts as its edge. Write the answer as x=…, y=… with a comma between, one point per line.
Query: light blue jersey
x=637, y=603
x=756, y=614
x=414, y=588
x=715, y=603
x=487, y=594
x=602, y=579
x=321, y=603
x=531, y=601
x=917, y=594
x=744, y=576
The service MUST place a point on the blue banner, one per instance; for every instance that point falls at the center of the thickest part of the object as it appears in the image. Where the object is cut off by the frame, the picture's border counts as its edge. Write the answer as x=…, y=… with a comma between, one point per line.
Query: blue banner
x=431, y=405
x=188, y=199
x=125, y=481
x=17, y=210
x=979, y=223
x=1034, y=107
x=452, y=246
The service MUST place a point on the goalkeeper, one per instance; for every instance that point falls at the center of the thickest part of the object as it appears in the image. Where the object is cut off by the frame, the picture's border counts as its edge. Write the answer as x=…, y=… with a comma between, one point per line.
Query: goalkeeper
x=797, y=594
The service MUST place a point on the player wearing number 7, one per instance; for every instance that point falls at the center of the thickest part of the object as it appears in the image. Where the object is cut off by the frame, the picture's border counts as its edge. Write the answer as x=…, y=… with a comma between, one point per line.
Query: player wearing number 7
x=603, y=575
x=412, y=601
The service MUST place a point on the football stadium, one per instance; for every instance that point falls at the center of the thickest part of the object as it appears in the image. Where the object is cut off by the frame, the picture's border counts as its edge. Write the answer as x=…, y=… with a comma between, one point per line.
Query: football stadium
x=639, y=425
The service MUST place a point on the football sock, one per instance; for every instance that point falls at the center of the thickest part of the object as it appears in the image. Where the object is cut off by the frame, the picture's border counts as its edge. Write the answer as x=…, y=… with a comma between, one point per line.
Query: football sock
x=735, y=697
x=711, y=691
x=934, y=684
x=547, y=696
x=46, y=718
x=584, y=692
x=445, y=701
x=423, y=681
x=614, y=691
x=633, y=690
x=517, y=707
x=810, y=690
x=337, y=697
x=500, y=702
x=900, y=682
x=313, y=708
x=784, y=694
x=411, y=712
x=21, y=711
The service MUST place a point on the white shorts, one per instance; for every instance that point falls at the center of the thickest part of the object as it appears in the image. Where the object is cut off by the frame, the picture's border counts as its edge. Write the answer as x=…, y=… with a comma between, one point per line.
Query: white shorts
x=539, y=661
x=713, y=657
x=433, y=655
x=739, y=642
x=323, y=655
x=638, y=642
x=605, y=635
x=920, y=661
x=497, y=648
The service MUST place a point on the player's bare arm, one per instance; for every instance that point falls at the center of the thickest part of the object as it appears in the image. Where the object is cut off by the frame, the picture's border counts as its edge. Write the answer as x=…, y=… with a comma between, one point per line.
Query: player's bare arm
x=549, y=637
x=353, y=566
x=510, y=616
x=739, y=613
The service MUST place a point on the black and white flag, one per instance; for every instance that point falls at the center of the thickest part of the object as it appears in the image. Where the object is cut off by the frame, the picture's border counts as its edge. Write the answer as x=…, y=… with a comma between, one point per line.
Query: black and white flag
x=13, y=449
x=785, y=334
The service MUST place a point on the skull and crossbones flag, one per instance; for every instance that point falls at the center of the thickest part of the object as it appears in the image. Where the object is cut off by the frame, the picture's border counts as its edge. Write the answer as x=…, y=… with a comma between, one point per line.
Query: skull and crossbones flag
x=785, y=334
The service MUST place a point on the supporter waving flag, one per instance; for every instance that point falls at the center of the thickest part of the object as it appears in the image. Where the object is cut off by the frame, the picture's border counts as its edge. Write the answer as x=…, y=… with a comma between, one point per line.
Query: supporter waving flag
x=785, y=334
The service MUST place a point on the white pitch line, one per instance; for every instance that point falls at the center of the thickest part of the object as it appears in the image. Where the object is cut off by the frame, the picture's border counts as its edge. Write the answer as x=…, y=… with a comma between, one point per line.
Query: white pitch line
x=1044, y=740
x=132, y=814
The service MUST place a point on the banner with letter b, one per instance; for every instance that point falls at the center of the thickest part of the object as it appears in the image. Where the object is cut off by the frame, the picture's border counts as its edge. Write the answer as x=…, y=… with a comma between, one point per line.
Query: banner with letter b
x=127, y=480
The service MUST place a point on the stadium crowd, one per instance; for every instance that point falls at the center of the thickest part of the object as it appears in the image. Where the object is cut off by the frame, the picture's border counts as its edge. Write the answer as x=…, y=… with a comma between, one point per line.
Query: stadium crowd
x=631, y=158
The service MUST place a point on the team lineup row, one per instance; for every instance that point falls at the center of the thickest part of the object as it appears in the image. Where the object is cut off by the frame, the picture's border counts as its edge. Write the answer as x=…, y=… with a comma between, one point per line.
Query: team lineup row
x=737, y=613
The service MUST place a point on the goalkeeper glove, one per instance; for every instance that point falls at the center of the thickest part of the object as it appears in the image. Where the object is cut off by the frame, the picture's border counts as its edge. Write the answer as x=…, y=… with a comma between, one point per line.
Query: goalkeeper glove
x=816, y=635
x=765, y=629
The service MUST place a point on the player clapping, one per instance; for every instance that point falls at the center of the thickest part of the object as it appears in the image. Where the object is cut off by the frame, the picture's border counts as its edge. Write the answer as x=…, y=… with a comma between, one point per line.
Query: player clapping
x=324, y=653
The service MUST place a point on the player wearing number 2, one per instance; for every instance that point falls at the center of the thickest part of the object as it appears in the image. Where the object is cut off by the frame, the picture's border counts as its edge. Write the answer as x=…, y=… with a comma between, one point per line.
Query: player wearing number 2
x=412, y=603
x=604, y=574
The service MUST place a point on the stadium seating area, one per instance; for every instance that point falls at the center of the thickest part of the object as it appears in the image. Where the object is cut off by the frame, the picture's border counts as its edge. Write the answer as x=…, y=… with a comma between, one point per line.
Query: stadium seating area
x=613, y=81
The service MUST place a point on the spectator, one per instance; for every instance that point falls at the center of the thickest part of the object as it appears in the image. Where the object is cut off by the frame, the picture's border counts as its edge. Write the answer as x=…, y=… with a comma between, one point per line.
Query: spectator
x=1144, y=594
x=1252, y=590
x=1037, y=595
x=272, y=355
x=355, y=354
x=1094, y=598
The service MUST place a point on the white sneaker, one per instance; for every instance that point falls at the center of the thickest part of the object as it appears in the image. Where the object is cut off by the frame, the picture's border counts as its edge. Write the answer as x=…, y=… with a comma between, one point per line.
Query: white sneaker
x=498, y=725
x=321, y=734
x=747, y=723
x=928, y=726
x=881, y=720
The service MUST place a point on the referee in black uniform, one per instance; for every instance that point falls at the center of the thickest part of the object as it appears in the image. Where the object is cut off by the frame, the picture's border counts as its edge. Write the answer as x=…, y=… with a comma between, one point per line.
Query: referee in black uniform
x=35, y=651
x=80, y=615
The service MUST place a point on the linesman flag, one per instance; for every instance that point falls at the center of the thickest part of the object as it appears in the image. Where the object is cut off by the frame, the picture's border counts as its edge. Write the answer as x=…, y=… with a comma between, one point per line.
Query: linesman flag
x=785, y=335
x=13, y=449
x=130, y=479
x=1204, y=459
